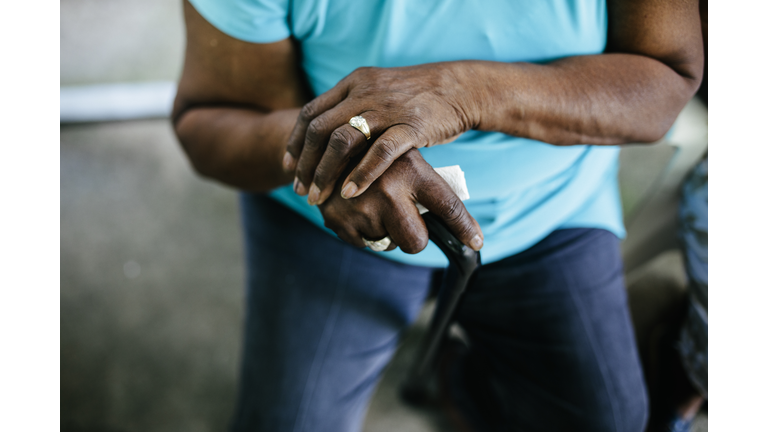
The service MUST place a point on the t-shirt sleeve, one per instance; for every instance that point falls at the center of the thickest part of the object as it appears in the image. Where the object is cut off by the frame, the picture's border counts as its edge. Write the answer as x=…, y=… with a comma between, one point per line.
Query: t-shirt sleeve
x=260, y=21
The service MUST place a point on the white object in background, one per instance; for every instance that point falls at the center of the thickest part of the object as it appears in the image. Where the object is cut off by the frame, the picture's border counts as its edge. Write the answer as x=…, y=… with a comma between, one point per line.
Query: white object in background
x=454, y=176
x=123, y=101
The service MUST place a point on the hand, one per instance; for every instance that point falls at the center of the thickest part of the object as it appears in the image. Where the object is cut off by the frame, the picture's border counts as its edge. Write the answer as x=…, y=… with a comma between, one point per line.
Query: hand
x=389, y=208
x=405, y=108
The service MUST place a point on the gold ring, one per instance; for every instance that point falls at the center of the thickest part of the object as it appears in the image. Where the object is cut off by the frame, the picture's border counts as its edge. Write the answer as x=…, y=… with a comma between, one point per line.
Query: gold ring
x=378, y=245
x=359, y=123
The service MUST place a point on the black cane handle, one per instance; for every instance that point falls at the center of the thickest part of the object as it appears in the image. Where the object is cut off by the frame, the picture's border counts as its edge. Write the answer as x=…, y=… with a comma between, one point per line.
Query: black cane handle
x=458, y=254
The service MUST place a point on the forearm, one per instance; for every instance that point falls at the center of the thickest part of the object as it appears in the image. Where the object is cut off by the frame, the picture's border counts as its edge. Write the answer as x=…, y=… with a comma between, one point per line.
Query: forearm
x=597, y=99
x=242, y=148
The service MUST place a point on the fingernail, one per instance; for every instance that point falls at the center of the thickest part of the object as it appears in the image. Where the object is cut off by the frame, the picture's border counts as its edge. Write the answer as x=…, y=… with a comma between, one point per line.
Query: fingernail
x=314, y=194
x=287, y=162
x=299, y=187
x=349, y=190
x=476, y=243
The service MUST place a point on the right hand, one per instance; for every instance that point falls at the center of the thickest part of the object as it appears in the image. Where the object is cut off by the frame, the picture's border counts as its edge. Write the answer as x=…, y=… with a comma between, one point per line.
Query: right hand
x=388, y=208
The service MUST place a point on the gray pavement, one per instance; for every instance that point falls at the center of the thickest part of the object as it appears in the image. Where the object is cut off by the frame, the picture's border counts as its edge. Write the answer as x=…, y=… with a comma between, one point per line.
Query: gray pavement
x=151, y=291
x=152, y=287
x=151, y=281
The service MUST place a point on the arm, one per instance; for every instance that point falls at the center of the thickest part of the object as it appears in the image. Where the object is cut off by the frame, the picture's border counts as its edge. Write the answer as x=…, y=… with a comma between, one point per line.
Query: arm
x=236, y=105
x=632, y=93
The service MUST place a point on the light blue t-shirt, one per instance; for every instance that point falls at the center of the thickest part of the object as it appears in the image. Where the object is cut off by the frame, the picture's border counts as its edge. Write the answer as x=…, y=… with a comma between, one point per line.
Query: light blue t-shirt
x=521, y=190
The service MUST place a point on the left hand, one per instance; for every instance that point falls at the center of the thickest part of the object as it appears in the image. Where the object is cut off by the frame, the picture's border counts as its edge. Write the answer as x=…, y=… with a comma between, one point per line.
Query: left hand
x=389, y=208
x=409, y=107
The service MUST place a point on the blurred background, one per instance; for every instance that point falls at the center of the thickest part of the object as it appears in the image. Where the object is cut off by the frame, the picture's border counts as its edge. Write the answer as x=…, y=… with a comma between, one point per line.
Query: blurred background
x=151, y=257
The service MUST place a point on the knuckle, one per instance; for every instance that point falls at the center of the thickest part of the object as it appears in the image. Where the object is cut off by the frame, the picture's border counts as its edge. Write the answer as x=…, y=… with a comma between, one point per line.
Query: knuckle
x=366, y=176
x=341, y=141
x=314, y=132
x=414, y=134
x=412, y=237
x=362, y=70
x=329, y=222
x=369, y=207
x=422, y=242
x=413, y=243
x=308, y=112
x=386, y=150
x=452, y=210
x=392, y=101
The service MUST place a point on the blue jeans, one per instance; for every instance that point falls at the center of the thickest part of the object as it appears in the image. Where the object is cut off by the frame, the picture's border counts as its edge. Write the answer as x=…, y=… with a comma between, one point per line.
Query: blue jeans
x=550, y=327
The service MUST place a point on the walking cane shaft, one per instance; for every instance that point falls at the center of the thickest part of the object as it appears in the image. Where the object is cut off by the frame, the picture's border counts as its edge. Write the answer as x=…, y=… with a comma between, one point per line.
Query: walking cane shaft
x=463, y=263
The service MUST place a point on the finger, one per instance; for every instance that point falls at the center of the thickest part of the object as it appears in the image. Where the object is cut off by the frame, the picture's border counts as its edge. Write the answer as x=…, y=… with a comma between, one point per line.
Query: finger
x=407, y=228
x=342, y=225
x=345, y=143
x=386, y=149
x=309, y=112
x=372, y=229
x=316, y=140
x=438, y=197
x=352, y=230
x=351, y=236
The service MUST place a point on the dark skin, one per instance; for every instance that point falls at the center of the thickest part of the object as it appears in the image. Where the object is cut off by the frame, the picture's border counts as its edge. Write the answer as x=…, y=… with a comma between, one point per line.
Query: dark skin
x=245, y=118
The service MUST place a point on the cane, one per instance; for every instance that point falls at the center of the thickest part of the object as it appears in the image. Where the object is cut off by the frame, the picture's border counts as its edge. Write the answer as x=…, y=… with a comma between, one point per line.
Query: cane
x=463, y=263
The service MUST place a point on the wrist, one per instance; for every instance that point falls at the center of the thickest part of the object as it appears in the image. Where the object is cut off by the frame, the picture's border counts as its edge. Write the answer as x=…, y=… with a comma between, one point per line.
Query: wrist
x=468, y=86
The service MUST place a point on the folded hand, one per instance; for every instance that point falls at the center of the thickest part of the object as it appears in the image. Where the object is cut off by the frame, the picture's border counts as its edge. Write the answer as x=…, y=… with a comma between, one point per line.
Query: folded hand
x=388, y=208
x=405, y=108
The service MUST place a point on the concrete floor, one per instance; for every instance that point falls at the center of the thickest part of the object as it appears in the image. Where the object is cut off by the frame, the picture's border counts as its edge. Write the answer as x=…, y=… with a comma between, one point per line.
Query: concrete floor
x=151, y=280
x=151, y=291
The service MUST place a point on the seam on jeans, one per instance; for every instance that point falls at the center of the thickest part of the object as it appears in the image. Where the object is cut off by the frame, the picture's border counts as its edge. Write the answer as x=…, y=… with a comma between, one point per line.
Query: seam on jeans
x=325, y=340
x=598, y=355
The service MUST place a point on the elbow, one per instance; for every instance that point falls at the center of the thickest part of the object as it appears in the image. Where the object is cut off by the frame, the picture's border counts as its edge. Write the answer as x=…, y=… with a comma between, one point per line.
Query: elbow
x=660, y=118
x=654, y=127
x=191, y=142
x=691, y=72
x=672, y=91
x=181, y=106
x=199, y=164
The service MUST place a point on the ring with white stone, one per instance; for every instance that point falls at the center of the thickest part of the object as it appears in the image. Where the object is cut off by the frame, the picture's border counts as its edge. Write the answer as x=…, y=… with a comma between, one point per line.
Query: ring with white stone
x=359, y=123
x=378, y=245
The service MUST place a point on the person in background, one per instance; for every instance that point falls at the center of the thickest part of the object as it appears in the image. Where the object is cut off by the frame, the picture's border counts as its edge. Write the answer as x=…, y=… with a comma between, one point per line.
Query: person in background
x=330, y=115
x=679, y=374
